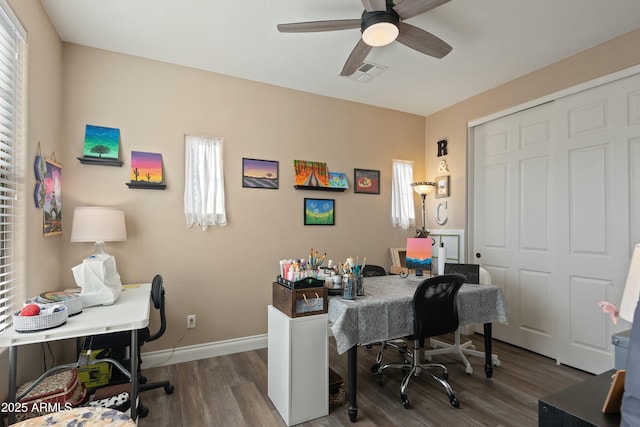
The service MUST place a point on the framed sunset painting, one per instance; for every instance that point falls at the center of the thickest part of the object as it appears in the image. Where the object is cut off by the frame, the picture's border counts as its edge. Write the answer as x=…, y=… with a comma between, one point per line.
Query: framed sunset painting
x=260, y=173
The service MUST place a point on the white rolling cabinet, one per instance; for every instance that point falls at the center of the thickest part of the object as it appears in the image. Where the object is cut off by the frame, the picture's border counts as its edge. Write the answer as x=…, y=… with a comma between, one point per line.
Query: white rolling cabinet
x=298, y=366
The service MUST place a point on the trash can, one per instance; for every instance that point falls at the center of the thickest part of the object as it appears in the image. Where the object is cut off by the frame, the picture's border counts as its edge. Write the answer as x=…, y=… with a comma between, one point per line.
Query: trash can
x=620, y=341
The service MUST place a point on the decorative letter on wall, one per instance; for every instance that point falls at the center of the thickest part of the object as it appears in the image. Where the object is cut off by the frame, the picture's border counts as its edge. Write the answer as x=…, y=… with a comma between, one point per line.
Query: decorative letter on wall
x=439, y=219
x=442, y=148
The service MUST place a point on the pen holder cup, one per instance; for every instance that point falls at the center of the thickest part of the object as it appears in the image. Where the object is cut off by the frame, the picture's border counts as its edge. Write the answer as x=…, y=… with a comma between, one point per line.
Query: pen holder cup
x=348, y=286
x=359, y=286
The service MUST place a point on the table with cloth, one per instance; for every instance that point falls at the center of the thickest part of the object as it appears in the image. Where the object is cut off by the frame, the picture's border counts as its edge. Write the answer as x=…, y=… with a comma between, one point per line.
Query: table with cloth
x=385, y=312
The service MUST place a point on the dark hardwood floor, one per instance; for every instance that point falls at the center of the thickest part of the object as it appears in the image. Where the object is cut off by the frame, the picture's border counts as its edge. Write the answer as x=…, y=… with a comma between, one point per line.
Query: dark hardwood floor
x=232, y=391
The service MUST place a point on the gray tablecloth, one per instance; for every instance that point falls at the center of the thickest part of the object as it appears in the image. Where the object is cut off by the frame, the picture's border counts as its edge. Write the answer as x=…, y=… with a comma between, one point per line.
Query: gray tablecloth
x=385, y=311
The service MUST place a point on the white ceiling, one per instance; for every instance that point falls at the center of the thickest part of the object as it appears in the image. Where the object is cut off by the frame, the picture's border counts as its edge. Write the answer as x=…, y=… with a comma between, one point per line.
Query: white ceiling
x=493, y=41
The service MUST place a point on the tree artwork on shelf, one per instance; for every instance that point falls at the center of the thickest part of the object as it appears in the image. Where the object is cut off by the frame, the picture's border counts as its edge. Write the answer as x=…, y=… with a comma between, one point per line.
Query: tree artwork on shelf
x=101, y=146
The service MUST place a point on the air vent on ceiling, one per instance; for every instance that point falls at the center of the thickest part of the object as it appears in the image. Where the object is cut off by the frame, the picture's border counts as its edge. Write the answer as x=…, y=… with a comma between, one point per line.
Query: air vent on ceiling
x=367, y=71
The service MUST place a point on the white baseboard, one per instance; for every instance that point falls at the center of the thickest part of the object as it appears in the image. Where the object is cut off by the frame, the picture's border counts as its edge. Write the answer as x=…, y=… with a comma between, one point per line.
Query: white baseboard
x=203, y=351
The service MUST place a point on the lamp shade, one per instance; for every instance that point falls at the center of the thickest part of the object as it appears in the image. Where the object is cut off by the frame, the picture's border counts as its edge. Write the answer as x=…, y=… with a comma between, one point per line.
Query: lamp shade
x=423, y=188
x=631, y=288
x=98, y=224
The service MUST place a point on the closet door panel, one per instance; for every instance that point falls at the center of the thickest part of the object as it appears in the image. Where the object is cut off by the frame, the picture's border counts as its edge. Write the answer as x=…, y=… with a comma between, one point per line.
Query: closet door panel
x=597, y=159
x=513, y=184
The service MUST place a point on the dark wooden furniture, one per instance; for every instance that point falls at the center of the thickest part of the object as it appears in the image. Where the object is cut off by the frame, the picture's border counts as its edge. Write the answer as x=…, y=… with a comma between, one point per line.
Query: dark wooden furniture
x=579, y=405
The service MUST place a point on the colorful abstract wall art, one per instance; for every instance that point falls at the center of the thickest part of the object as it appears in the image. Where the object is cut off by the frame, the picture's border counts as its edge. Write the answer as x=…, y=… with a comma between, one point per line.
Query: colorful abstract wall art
x=101, y=142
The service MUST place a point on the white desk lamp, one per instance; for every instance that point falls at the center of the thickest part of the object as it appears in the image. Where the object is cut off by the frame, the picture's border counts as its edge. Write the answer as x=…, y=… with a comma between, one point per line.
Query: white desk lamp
x=97, y=275
x=631, y=288
x=99, y=225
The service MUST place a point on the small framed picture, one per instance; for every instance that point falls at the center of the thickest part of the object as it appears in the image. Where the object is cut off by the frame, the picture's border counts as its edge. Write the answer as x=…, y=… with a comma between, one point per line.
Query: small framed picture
x=366, y=181
x=319, y=211
x=399, y=257
x=259, y=173
x=338, y=180
x=442, y=186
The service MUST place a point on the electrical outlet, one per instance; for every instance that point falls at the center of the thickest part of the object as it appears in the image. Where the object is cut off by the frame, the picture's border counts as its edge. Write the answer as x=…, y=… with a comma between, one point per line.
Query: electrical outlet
x=191, y=321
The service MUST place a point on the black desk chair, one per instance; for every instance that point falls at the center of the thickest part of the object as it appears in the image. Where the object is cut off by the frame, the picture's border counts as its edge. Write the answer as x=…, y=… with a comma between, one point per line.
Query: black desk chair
x=474, y=274
x=373, y=270
x=121, y=340
x=435, y=313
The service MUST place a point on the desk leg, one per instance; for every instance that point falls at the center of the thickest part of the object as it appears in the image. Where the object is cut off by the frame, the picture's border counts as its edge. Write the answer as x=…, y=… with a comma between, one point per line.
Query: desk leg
x=352, y=373
x=134, y=374
x=13, y=366
x=488, y=366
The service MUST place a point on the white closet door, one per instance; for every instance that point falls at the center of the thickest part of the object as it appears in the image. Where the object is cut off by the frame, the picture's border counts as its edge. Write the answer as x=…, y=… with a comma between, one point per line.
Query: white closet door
x=556, y=212
x=598, y=158
x=513, y=222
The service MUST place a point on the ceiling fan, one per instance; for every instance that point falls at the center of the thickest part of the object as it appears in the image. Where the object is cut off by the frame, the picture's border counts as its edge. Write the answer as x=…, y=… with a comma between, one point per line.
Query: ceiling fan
x=381, y=23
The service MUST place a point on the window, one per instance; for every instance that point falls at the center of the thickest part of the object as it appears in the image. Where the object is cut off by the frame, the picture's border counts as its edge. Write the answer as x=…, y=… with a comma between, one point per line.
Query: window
x=203, y=182
x=402, y=209
x=12, y=144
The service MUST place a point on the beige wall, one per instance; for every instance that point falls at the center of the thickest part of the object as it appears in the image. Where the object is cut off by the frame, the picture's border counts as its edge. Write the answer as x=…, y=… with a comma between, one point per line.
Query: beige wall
x=451, y=123
x=223, y=275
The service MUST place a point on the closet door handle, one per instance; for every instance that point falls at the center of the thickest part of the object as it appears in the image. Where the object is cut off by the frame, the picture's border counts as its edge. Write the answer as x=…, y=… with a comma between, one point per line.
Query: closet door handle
x=478, y=255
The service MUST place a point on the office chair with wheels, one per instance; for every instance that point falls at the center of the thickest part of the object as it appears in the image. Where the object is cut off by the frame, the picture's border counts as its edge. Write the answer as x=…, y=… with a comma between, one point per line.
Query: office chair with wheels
x=121, y=340
x=435, y=312
x=473, y=274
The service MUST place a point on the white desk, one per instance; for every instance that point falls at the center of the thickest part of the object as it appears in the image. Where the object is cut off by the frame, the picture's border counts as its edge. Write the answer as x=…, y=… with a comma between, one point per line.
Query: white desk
x=129, y=313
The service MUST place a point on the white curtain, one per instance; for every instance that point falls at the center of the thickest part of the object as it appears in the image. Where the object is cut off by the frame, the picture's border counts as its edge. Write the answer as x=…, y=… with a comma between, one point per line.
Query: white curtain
x=402, y=209
x=203, y=181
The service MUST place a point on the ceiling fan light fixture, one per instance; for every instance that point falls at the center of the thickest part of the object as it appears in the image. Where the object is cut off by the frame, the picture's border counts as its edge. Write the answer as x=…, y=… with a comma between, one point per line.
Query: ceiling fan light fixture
x=379, y=28
x=380, y=34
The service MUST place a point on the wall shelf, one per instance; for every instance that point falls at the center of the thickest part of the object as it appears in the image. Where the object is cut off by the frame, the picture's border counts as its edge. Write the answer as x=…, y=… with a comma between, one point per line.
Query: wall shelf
x=146, y=185
x=309, y=187
x=99, y=161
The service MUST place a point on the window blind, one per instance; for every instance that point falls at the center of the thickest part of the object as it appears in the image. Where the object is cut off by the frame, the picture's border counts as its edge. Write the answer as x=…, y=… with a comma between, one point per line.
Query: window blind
x=12, y=108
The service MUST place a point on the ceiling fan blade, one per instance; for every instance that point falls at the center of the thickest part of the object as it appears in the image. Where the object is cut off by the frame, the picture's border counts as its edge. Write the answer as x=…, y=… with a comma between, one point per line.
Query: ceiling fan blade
x=309, y=27
x=422, y=41
x=374, y=5
x=409, y=8
x=356, y=58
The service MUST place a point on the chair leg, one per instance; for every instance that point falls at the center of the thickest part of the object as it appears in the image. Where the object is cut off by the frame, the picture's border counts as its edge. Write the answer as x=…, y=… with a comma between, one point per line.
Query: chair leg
x=399, y=345
x=413, y=367
x=461, y=349
x=403, y=386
